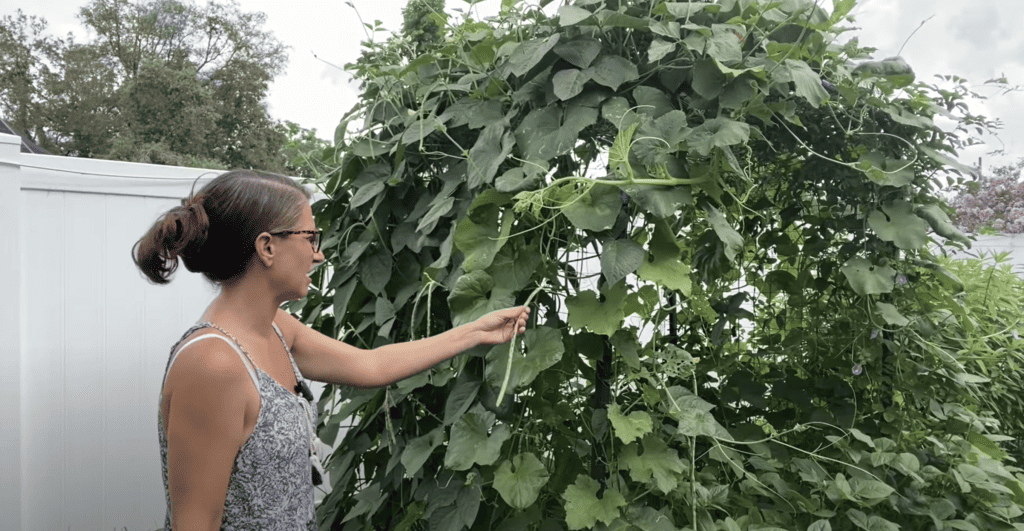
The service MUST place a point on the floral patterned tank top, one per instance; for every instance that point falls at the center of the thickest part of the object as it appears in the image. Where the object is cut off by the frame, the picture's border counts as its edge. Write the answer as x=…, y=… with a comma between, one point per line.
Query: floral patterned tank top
x=271, y=485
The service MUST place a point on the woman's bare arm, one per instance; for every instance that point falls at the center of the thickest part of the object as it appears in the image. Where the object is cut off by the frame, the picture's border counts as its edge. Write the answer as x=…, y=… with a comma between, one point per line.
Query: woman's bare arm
x=325, y=359
x=205, y=429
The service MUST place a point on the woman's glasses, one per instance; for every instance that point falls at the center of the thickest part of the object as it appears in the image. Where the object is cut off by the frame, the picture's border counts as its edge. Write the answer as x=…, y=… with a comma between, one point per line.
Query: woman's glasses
x=315, y=241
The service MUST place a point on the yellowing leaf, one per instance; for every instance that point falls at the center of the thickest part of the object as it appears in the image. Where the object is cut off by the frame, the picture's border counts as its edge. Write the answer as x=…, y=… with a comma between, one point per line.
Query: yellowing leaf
x=583, y=508
x=630, y=427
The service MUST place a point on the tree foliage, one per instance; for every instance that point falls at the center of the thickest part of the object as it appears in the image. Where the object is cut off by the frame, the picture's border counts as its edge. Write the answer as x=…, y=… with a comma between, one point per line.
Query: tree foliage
x=725, y=220
x=994, y=202
x=161, y=81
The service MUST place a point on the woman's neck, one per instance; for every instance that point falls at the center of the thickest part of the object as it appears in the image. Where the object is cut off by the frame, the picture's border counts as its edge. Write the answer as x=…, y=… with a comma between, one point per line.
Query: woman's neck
x=245, y=308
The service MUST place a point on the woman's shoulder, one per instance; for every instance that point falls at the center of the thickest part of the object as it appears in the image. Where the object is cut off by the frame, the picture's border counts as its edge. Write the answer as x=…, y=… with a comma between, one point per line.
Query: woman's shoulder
x=214, y=360
x=289, y=326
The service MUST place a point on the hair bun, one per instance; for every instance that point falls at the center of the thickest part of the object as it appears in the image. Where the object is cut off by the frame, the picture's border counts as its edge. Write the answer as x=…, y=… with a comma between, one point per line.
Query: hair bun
x=184, y=229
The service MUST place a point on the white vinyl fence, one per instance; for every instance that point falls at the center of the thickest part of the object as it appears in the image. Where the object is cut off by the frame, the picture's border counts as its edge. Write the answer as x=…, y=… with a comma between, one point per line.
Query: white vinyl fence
x=85, y=340
x=999, y=243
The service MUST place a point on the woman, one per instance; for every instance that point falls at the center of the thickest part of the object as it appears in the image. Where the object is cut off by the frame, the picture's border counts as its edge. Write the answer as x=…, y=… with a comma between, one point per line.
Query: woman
x=235, y=434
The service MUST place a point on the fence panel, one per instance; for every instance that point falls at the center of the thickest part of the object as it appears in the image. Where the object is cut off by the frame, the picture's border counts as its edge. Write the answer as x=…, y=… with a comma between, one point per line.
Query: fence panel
x=92, y=339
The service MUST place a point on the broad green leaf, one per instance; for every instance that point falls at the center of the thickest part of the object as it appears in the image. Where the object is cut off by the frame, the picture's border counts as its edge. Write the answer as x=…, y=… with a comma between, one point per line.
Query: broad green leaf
x=681, y=10
x=545, y=133
x=579, y=52
x=894, y=70
x=459, y=400
x=624, y=344
x=481, y=240
x=897, y=223
x=620, y=258
x=907, y=463
x=666, y=28
x=368, y=500
x=941, y=509
x=473, y=441
x=542, y=348
x=528, y=54
x=369, y=147
x=886, y=172
x=366, y=192
x=469, y=298
x=658, y=463
x=473, y=113
x=537, y=135
x=907, y=117
x=457, y=516
x=630, y=427
x=946, y=160
x=870, y=489
x=694, y=423
x=971, y=473
x=419, y=129
x=519, y=480
x=659, y=49
x=667, y=272
x=820, y=525
x=596, y=210
x=583, y=509
x=662, y=201
x=413, y=514
x=648, y=519
x=419, y=449
x=890, y=314
x=612, y=19
x=652, y=102
x=517, y=180
x=618, y=155
x=724, y=44
x=617, y=111
x=807, y=81
x=717, y=132
x=613, y=71
x=983, y=443
x=375, y=270
x=490, y=150
x=738, y=93
x=570, y=15
x=569, y=83
x=587, y=312
x=941, y=224
x=514, y=266
x=439, y=208
x=732, y=239
x=708, y=80
x=868, y=279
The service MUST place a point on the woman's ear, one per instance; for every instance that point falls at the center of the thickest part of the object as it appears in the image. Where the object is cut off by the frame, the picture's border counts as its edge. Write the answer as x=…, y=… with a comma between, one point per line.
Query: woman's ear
x=265, y=249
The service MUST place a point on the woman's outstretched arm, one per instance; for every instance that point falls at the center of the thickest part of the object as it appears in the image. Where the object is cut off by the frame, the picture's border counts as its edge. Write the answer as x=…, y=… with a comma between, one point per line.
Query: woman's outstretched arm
x=325, y=359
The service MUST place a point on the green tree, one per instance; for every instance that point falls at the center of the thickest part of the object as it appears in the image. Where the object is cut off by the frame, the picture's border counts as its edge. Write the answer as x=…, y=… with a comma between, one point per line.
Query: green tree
x=724, y=220
x=422, y=21
x=161, y=81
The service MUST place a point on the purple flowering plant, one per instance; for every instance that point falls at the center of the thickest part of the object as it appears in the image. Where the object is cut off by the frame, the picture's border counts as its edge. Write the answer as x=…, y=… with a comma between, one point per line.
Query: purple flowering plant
x=994, y=203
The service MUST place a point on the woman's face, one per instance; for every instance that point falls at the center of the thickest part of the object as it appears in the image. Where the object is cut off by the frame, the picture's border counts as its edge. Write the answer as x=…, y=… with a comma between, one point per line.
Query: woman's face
x=297, y=258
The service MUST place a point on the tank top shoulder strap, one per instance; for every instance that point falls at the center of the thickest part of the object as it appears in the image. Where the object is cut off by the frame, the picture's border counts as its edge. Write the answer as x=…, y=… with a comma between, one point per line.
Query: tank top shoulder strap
x=249, y=365
x=298, y=375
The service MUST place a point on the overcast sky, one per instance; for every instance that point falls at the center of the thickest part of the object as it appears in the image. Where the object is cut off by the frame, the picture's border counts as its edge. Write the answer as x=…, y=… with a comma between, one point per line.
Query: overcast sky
x=977, y=40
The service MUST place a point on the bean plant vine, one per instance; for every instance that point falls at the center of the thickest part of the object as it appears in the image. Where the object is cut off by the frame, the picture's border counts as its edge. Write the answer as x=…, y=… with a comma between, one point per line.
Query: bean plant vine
x=726, y=217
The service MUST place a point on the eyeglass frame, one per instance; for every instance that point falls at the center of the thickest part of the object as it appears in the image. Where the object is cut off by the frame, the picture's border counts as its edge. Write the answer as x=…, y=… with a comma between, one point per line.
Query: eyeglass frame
x=315, y=243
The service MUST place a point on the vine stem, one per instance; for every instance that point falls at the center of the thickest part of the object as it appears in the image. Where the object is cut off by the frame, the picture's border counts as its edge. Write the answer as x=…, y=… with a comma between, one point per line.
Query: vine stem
x=512, y=347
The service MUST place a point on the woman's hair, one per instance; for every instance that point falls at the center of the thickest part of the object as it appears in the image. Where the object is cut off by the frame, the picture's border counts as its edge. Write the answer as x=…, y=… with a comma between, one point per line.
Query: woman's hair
x=213, y=231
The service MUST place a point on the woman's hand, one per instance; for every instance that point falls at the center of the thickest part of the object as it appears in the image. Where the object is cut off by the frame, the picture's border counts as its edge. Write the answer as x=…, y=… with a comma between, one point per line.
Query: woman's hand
x=501, y=326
